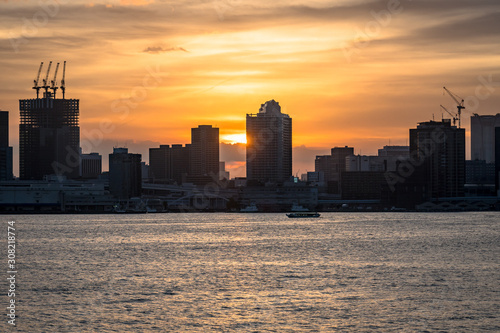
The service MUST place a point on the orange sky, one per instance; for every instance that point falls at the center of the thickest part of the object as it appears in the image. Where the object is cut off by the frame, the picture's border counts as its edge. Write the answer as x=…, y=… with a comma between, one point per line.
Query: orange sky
x=358, y=73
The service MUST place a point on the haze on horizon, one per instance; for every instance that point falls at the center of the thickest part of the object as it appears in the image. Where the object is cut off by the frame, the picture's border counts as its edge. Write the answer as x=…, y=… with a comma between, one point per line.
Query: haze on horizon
x=357, y=73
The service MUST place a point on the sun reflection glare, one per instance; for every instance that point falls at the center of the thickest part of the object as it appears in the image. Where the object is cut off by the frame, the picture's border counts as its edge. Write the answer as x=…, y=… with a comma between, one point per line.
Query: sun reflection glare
x=234, y=138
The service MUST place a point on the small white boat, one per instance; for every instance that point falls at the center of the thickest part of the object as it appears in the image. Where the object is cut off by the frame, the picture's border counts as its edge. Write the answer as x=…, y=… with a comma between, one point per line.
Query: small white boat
x=303, y=214
x=250, y=209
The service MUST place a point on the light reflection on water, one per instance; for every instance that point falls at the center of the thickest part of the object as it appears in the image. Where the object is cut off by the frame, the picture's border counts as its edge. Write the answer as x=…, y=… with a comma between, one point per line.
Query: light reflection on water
x=350, y=272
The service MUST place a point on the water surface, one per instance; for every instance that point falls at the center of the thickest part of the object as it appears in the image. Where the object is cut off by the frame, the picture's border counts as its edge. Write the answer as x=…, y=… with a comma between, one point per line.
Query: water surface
x=342, y=272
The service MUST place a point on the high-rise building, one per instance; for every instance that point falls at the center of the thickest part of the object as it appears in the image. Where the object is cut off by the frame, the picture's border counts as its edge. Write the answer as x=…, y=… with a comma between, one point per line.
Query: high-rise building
x=159, y=163
x=269, y=144
x=483, y=137
x=125, y=174
x=497, y=159
x=49, y=137
x=91, y=165
x=439, y=150
x=169, y=164
x=5, y=150
x=204, y=152
x=4, y=128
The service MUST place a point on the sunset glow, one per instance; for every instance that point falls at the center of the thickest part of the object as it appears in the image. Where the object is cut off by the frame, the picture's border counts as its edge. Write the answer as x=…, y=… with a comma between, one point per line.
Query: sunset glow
x=234, y=138
x=358, y=73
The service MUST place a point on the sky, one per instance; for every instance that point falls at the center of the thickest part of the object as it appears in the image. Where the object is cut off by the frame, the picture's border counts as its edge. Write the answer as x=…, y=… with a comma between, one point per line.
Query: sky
x=349, y=72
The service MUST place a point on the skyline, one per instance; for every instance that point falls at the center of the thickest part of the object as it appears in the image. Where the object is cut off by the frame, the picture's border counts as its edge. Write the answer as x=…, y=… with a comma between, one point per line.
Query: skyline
x=212, y=62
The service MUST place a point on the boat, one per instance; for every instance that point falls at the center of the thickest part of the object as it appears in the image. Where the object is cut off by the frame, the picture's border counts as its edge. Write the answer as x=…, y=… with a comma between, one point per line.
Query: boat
x=250, y=209
x=303, y=214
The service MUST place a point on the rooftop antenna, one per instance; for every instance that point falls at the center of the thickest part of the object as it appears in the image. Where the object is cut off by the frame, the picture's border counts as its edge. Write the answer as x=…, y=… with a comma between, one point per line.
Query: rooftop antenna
x=35, y=82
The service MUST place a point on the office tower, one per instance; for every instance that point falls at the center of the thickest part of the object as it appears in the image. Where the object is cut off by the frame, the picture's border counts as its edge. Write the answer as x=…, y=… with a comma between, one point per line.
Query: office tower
x=160, y=163
x=5, y=150
x=269, y=144
x=497, y=159
x=4, y=128
x=335, y=163
x=49, y=133
x=483, y=137
x=169, y=164
x=439, y=151
x=204, y=152
x=91, y=165
x=332, y=166
x=125, y=174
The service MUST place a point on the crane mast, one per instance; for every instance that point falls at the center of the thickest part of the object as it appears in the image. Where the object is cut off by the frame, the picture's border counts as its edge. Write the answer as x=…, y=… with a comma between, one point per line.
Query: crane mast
x=453, y=116
x=460, y=105
x=35, y=82
x=53, y=82
x=63, y=82
x=45, y=81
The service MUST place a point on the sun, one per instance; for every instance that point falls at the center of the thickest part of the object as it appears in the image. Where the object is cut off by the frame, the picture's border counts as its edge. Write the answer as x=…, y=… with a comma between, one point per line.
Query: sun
x=234, y=138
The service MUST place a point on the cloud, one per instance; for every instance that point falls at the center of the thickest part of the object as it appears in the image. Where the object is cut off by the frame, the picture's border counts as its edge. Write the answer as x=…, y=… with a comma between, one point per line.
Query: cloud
x=160, y=49
x=136, y=2
x=232, y=152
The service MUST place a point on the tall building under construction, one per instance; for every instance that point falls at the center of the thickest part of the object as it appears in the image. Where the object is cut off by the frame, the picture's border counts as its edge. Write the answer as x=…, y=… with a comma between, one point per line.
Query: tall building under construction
x=49, y=132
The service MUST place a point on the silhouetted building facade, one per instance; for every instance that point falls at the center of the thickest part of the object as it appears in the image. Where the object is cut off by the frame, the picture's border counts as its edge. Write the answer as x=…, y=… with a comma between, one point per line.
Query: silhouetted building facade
x=396, y=151
x=49, y=137
x=497, y=159
x=269, y=144
x=332, y=166
x=169, y=164
x=5, y=150
x=362, y=185
x=479, y=172
x=483, y=137
x=364, y=163
x=439, y=152
x=125, y=174
x=204, y=152
x=91, y=165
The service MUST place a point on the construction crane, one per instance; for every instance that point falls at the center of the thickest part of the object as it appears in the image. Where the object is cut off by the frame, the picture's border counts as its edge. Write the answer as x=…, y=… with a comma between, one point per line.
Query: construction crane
x=53, y=82
x=453, y=116
x=35, y=82
x=45, y=81
x=63, y=82
x=460, y=105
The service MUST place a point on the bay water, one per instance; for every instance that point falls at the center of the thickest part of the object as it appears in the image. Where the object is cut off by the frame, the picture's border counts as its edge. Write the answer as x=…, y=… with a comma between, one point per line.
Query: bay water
x=229, y=272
